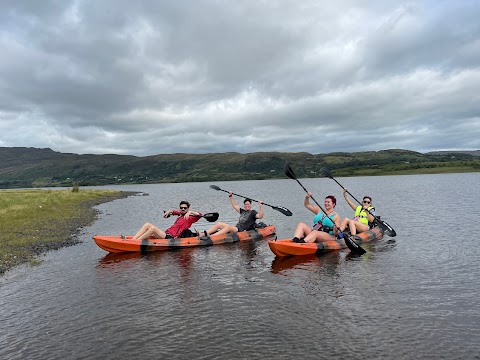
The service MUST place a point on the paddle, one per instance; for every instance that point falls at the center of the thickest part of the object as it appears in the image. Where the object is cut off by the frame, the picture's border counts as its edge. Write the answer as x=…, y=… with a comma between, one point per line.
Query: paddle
x=210, y=217
x=289, y=172
x=283, y=210
x=352, y=245
x=382, y=224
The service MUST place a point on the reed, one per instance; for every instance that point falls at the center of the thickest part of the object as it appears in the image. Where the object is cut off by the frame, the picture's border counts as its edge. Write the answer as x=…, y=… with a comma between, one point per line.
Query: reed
x=35, y=221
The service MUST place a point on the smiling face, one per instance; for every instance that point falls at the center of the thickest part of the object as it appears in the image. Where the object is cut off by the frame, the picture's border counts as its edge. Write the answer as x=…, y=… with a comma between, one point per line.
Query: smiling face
x=247, y=205
x=367, y=201
x=328, y=204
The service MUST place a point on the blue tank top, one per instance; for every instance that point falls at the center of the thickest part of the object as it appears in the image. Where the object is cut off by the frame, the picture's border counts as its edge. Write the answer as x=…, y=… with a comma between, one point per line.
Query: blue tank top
x=327, y=221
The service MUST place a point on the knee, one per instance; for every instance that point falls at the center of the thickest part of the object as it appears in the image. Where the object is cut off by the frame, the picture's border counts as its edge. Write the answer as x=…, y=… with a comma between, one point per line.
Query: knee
x=301, y=225
x=152, y=228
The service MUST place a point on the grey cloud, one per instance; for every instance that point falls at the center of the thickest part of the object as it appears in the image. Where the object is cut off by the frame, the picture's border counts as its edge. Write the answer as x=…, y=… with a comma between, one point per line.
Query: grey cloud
x=143, y=77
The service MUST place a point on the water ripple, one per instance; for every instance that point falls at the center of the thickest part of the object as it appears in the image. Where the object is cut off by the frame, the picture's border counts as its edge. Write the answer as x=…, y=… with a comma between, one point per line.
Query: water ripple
x=414, y=296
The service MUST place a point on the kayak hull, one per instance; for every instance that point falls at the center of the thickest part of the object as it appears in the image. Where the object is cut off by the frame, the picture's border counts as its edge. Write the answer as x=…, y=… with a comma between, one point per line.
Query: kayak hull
x=117, y=244
x=287, y=247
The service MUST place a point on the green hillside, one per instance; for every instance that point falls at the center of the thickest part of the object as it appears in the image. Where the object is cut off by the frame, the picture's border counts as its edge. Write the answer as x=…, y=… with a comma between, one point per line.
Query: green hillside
x=31, y=167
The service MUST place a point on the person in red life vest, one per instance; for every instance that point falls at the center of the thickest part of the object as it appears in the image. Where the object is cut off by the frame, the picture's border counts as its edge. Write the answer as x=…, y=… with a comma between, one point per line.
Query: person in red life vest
x=363, y=215
x=186, y=218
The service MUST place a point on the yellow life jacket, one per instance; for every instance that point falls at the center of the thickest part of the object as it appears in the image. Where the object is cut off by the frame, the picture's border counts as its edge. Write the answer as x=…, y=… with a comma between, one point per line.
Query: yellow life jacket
x=362, y=215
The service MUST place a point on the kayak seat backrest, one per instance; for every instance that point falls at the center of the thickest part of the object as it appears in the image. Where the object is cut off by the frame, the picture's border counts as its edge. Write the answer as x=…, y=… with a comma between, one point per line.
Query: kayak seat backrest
x=260, y=225
x=188, y=233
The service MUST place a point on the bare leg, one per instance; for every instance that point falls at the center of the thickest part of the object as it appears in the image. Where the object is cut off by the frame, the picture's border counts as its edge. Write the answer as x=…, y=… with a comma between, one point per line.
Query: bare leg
x=344, y=224
x=142, y=230
x=148, y=230
x=217, y=227
x=352, y=227
x=302, y=230
x=227, y=229
x=319, y=236
x=359, y=227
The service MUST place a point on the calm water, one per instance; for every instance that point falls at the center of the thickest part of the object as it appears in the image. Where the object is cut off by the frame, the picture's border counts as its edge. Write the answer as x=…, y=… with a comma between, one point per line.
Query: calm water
x=415, y=296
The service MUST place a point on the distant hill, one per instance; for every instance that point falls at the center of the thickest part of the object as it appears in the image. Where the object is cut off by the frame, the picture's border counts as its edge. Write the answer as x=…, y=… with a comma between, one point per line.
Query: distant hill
x=472, y=152
x=32, y=167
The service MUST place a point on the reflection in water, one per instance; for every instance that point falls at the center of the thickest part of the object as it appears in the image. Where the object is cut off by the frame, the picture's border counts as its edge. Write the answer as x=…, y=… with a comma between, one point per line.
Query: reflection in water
x=328, y=261
x=371, y=248
x=281, y=263
x=112, y=259
x=414, y=301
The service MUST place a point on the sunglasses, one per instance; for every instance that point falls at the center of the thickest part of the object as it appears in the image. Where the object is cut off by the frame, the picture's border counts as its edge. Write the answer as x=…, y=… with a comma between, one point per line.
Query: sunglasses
x=366, y=202
x=183, y=208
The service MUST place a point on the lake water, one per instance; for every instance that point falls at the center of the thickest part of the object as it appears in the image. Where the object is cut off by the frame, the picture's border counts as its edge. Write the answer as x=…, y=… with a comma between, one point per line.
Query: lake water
x=414, y=296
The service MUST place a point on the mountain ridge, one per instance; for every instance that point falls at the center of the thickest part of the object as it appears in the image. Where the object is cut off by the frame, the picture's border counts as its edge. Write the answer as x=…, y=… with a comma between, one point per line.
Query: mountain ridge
x=42, y=167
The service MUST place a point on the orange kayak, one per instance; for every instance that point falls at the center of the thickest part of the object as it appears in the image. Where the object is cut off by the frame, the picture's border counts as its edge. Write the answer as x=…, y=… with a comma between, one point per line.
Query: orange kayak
x=286, y=247
x=117, y=244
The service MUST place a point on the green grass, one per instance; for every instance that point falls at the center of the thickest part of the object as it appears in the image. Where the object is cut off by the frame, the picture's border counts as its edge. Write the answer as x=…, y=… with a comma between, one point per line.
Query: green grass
x=34, y=221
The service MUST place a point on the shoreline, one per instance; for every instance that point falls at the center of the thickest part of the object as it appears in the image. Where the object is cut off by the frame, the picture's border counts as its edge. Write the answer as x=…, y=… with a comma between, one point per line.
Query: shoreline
x=68, y=232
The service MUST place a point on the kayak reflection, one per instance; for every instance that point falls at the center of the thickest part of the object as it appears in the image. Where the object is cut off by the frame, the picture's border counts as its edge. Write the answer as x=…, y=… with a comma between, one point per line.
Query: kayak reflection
x=310, y=262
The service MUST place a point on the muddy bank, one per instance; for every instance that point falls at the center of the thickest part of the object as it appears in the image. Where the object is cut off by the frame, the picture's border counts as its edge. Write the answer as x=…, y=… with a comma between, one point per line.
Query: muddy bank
x=66, y=232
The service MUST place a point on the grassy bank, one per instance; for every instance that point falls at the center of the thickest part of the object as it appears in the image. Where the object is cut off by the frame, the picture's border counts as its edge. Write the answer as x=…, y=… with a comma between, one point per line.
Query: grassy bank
x=35, y=221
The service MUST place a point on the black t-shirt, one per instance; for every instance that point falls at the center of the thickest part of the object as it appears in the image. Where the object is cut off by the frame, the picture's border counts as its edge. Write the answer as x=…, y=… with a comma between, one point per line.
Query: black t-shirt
x=247, y=220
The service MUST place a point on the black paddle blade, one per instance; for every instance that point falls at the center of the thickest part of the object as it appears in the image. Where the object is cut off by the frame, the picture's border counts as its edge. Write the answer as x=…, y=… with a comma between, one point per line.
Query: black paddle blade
x=283, y=210
x=211, y=217
x=326, y=172
x=289, y=171
x=353, y=246
x=214, y=187
x=387, y=229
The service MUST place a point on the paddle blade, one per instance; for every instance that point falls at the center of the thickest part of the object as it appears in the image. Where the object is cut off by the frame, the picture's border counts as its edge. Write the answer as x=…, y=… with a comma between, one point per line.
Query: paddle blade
x=214, y=187
x=283, y=210
x=326, y=172
x=211, y=217
x=289, y=171
x=387, y=229
x=353, y=246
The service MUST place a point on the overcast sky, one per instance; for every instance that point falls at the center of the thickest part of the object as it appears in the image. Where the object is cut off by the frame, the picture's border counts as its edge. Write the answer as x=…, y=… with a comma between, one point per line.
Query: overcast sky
x=154, y=77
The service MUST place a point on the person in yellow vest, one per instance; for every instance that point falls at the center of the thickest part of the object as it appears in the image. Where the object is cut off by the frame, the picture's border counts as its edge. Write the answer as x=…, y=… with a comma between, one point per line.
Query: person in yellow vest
x=362, y=220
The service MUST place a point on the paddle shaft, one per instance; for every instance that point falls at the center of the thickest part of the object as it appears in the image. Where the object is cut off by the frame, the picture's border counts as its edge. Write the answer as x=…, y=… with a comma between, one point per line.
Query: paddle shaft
x=246, y=198
x=289, y=172
x=315, y=201
x=210, y=217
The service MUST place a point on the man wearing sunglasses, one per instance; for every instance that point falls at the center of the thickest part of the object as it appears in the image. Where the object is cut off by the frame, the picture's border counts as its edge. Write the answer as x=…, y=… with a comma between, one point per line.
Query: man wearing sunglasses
x=363, y=218
x=181, y=226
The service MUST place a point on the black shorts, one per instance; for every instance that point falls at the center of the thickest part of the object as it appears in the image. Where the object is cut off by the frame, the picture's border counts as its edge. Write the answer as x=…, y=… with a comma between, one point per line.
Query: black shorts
x=242, y=229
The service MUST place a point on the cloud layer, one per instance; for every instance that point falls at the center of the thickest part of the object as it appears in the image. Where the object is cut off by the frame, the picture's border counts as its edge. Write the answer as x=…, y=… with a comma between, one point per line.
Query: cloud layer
x=155, y=77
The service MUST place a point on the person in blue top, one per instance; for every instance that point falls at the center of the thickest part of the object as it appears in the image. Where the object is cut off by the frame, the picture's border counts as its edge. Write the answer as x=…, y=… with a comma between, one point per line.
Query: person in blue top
x=325, y=226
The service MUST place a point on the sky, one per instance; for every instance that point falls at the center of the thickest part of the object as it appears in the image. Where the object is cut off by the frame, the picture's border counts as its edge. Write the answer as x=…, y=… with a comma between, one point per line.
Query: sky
x=159, y=77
